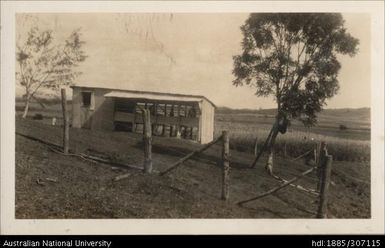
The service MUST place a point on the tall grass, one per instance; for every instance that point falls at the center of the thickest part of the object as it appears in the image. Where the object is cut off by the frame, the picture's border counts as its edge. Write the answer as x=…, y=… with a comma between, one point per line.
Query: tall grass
x=243, y=136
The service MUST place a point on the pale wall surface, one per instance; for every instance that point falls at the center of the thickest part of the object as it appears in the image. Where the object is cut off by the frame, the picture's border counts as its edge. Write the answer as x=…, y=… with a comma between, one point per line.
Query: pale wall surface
x=101, y=115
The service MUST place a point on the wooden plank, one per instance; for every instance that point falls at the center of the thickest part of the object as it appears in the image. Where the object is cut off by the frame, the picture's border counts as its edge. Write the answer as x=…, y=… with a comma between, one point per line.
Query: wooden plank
x=185, y=121
x=124, y=117
x=166, y=120
x=162, y=120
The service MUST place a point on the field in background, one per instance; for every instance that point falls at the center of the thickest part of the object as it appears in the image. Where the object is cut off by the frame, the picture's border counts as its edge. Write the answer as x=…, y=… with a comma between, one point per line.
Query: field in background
x=351, y=144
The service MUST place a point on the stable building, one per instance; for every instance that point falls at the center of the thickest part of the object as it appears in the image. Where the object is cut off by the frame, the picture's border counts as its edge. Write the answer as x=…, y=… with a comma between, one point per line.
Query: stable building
x=172, y=115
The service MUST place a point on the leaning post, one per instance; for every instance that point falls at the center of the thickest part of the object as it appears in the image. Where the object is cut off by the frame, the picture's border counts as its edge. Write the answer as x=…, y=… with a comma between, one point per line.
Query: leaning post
x=66, y=135
x=324, y=193
x=226, y=165
x=147, y=138
x=256, y=147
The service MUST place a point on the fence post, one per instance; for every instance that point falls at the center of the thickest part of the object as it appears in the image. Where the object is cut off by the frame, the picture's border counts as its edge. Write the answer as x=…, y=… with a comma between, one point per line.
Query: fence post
x=256, y=147
x=66, y=135
x=324, y=193
x=226, y=165
x=147, y=138
x=321, y=156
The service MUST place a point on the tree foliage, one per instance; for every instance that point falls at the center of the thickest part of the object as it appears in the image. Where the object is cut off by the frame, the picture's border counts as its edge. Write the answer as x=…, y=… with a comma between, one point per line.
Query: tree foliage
x=44, y=64
x=293, y=56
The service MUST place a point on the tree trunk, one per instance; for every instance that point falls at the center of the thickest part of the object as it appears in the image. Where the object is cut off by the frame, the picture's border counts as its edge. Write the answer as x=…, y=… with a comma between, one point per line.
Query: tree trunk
x=26, y=107
x=270, y=164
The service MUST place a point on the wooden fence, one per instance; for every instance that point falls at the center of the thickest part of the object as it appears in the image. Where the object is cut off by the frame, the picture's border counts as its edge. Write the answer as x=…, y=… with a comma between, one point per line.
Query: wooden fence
x=322, y=159
x=323, y=167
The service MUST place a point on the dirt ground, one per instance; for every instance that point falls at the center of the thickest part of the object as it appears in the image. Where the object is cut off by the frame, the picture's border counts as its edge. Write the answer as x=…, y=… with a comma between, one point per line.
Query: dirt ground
x=51, y=185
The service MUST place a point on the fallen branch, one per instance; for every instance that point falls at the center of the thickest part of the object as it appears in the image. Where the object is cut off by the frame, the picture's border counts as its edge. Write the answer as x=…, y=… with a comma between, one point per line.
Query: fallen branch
x=180, y=161
x=105, y=161
x=279, y=187
x=38, y=140
x=94, y=159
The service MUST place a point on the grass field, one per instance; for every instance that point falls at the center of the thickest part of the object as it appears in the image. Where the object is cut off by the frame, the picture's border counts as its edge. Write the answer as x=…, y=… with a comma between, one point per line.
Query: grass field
x=84, y=189
x=352, y=144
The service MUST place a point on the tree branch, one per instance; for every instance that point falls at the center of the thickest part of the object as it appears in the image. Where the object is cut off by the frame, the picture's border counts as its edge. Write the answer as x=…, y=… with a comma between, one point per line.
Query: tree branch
x=41, y=83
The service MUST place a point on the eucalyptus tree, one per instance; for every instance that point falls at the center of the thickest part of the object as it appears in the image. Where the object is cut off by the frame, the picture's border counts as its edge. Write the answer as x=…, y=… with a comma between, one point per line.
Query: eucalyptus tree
x=292, y=57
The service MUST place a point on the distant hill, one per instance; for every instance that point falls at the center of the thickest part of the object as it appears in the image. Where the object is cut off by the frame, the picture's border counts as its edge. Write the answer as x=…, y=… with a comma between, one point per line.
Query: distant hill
x=333, y=112
x=48, y=101
x=358, y=118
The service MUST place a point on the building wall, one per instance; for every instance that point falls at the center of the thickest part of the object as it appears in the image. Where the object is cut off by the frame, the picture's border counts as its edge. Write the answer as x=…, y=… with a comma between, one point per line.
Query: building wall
x=207, y=122
x=76, y=101
x=98, y=116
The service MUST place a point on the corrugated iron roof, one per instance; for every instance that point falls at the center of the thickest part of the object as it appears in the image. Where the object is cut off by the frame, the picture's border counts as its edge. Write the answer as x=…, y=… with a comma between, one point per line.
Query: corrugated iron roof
x=149, y=95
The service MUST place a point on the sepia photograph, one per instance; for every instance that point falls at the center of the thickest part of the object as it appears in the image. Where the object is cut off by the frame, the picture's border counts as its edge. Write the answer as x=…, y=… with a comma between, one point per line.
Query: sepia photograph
x=193, y=115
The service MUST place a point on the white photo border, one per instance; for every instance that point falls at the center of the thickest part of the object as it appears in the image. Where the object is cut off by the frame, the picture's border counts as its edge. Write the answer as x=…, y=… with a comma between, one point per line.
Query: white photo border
x=10, y=225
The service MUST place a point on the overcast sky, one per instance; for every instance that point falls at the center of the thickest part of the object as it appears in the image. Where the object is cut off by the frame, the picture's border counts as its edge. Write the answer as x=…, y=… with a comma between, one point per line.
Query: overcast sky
x=186, y=53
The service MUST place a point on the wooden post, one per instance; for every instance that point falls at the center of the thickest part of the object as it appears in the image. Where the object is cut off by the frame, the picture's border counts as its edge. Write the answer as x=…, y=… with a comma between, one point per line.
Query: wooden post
x=324, y=194
x=171, y=130
x=321, y=156
x=256, y=147
x=134, y=122
x=226, y=165
x=66, y=134
x=147, y=141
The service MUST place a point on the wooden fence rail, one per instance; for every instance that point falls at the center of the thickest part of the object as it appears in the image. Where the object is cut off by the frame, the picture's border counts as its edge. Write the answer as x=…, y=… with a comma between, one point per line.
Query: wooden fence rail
x=279, y=187
x=323, y=163
x=180, y=161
